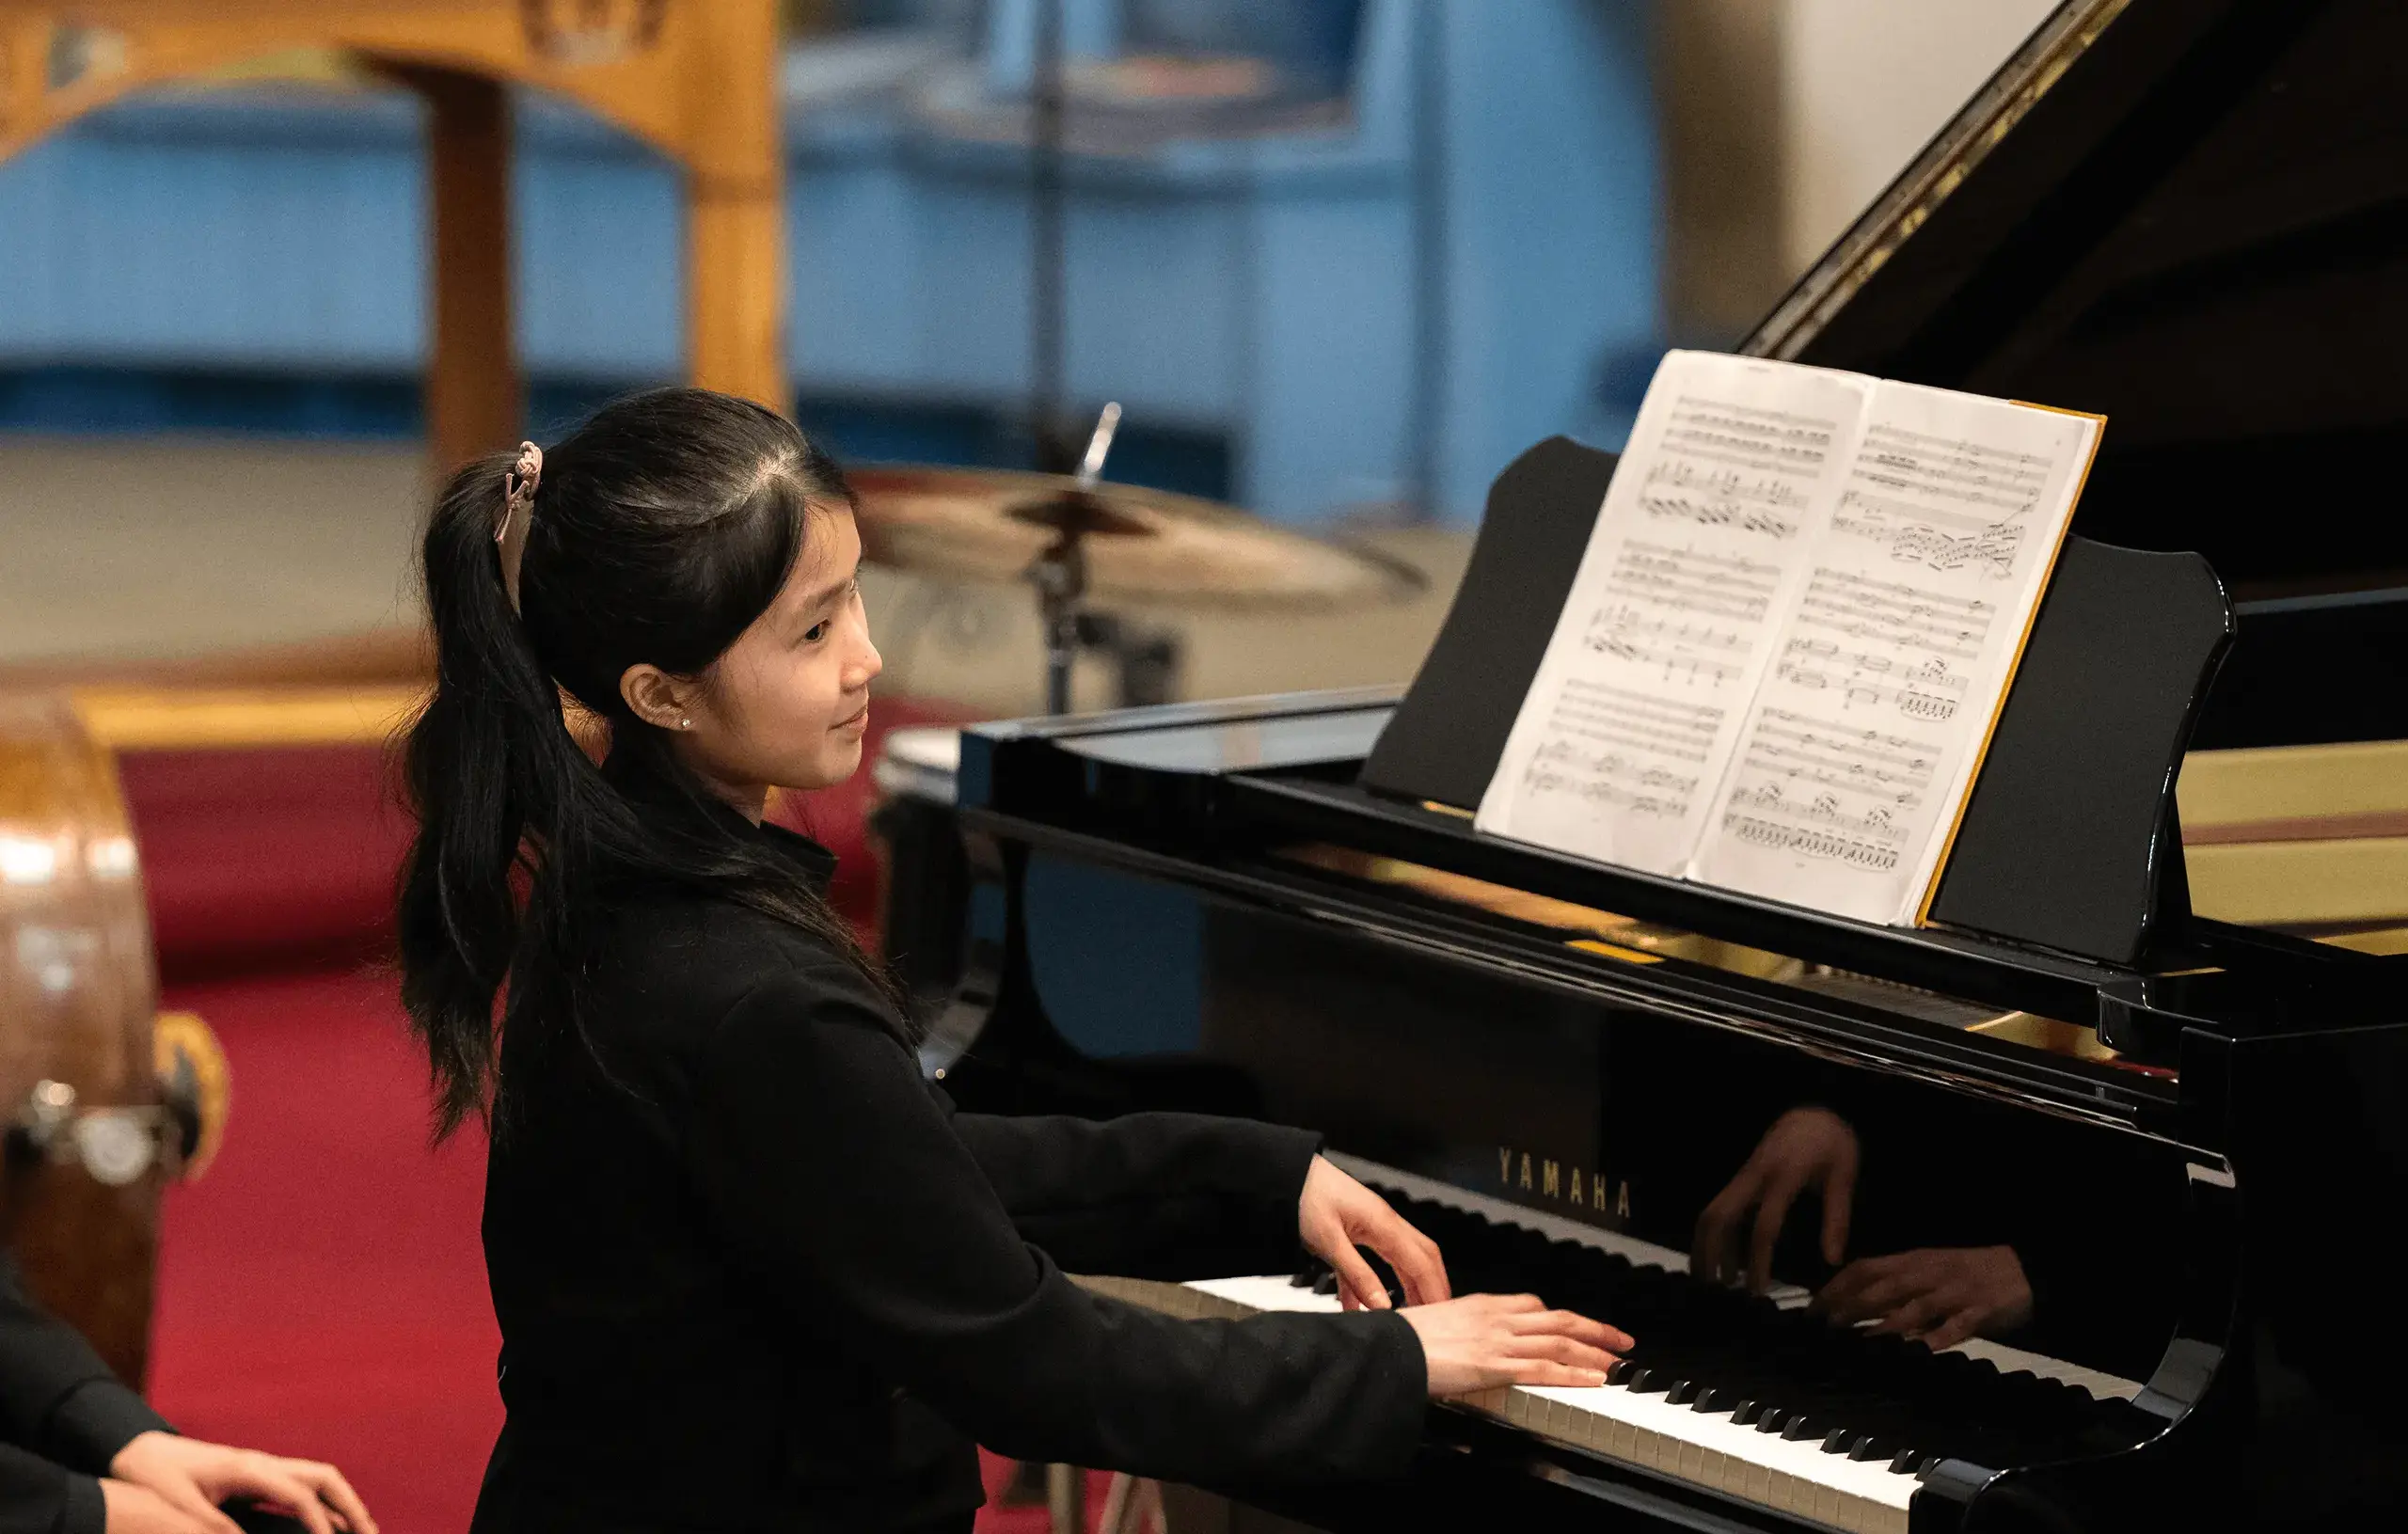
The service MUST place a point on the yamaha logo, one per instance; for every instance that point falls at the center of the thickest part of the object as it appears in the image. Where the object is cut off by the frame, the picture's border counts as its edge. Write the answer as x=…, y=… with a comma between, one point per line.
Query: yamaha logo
x=1520, y=1173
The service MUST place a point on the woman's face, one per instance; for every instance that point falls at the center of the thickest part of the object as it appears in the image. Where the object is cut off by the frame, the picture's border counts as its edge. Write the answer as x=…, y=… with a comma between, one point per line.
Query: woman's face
x=788, y=703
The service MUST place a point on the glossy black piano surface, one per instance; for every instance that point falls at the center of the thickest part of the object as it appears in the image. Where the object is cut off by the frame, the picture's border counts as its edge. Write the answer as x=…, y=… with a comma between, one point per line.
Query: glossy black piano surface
x=1194, y=906
x=2191, y=215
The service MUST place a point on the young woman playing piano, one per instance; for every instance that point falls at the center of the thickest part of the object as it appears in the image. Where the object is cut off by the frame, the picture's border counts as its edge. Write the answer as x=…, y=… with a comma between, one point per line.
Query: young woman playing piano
x=752, y=1270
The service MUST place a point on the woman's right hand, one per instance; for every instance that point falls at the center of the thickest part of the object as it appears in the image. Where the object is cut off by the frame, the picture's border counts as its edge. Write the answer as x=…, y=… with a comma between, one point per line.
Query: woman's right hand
x=1483, y=1341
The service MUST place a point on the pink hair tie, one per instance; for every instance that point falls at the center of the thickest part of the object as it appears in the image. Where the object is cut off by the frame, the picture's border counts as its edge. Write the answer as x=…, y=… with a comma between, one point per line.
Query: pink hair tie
x=517, y=511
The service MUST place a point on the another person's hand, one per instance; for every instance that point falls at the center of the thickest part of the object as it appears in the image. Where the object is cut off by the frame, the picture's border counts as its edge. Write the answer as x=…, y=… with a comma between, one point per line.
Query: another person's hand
x=1941, y=1295
x=129, y=1508
x=193, y=1477
x=1804, y=1147
x=1336, y=1214
x=1483, y=1341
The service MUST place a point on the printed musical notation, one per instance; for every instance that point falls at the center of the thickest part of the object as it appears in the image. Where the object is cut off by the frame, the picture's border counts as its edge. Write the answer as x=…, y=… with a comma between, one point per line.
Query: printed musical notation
x=1920, y=689
x=1750, y=435
x=1686, y=651
x=1890, y=769
x=1689, y=581
x=1819, y=788
x=1680, y=490
x=1731, y=469
x=1989, y=552
x=1861, y=744
x=1611, y=777
x=1953, y=476
x=1912, y=620
x=1940, y=503
x=1624, y=747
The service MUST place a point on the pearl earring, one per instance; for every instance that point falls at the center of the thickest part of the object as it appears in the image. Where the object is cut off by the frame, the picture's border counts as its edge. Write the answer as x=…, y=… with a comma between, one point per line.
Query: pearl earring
x=685, y=724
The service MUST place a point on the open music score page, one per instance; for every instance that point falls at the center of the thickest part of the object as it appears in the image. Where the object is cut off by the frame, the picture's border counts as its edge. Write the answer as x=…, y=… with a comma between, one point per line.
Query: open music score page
x=1795, y=623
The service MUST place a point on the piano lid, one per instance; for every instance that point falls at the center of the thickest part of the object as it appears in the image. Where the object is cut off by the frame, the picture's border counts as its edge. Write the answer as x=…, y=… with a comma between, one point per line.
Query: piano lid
x=2191, y=215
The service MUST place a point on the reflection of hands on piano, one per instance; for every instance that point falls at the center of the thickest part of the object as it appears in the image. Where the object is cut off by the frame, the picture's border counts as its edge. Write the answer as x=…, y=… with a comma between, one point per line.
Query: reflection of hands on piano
x=1937, y=1295
x=1335, y=1216
x=1940, y=1295
x=1483, y=1341
x=1805, y=1148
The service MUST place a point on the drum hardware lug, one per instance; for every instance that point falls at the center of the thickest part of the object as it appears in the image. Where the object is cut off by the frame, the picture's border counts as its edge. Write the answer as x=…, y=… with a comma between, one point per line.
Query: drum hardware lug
x=114, y=1145
x=48, y=1107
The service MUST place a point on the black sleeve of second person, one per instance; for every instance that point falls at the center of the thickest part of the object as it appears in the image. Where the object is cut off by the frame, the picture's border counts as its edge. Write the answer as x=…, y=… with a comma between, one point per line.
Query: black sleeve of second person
x=39, y=1498
x=832, y=1170
x=1148, y=1195
x=57, y=1398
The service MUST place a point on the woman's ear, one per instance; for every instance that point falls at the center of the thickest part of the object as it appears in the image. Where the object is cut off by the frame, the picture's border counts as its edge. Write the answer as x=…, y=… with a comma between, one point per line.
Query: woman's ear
x=655, y=697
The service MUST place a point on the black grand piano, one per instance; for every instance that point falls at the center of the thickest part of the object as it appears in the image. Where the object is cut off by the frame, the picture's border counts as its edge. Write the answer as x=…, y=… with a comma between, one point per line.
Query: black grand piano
x=2170, y=1152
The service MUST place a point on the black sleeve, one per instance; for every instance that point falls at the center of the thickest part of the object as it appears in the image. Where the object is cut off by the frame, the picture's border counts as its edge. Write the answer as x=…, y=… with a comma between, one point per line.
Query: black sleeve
x=57, y=1398
x=833, y=1174
x=39, y=1498
x=1148, y=1195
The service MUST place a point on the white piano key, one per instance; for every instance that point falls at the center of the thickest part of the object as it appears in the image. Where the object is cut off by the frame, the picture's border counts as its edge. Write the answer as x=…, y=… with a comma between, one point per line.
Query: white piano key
x=1709, y=1449
x=1272, y=1293
x=1700, y=1448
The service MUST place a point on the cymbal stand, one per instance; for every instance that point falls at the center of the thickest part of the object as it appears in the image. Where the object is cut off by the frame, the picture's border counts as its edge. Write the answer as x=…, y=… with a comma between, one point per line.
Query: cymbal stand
x=1060, y=573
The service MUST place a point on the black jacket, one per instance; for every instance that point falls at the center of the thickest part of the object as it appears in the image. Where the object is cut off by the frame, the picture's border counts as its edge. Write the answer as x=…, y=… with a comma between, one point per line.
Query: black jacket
x=63, y=1416
x=754, y=1272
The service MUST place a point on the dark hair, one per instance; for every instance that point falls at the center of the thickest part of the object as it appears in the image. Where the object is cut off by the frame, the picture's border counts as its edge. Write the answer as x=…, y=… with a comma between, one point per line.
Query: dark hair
x=661, y=529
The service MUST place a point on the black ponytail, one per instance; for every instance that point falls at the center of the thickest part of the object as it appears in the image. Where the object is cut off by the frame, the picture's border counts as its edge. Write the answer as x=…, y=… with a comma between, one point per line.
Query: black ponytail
x=660, y=531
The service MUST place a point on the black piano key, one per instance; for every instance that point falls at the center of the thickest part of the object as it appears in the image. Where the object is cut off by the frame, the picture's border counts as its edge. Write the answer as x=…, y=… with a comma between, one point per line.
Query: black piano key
x=1773, y=1420
x=1682, y=1393
x=1839, y=1440
x=1801, y=1426
x=1325, y=1284
x=1746, y=1411
x=1301, y=1280
x=1644, y=1381
x=1907, y=1461
x=1869, y=1447
x=1620, y=1371
x=1712, y=1400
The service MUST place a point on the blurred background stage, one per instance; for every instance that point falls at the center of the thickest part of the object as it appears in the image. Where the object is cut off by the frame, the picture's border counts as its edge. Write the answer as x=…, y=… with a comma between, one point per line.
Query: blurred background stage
x=1340, y=260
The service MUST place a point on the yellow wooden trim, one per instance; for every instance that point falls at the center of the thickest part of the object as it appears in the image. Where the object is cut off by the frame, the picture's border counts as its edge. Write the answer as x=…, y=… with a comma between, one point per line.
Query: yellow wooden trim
x=2293, y=783
x=2301, y=883
x=161, y=719
x=2386, y=940
x=1615, y=949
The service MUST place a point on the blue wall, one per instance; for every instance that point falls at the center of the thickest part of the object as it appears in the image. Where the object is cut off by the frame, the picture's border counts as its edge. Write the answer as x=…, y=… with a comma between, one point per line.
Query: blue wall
x=1300, y=320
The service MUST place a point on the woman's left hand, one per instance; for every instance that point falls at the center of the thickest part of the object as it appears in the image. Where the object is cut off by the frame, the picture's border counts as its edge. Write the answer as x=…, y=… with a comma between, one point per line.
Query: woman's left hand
x=1338, y=1214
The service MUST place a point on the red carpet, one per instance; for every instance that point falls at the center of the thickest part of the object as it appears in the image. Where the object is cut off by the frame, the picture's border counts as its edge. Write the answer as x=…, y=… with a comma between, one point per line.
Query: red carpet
x=322, y=1290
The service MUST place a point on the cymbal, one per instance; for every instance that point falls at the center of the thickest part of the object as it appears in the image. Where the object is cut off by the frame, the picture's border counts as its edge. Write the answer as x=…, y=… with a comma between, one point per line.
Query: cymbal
x=1139, y=546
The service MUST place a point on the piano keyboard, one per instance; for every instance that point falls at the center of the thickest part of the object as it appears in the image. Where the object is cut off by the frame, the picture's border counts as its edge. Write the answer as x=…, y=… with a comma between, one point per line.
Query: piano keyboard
x=1838, y=1452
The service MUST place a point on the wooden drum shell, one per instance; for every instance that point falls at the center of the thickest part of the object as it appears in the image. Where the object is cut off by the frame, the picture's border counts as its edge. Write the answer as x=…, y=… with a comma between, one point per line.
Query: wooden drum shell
x=78, y=992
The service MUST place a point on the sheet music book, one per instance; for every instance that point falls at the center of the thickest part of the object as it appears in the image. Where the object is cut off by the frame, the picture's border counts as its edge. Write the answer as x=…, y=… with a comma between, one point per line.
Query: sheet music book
x=1791, y=632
